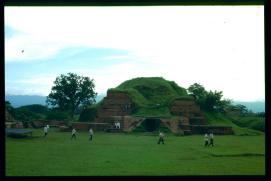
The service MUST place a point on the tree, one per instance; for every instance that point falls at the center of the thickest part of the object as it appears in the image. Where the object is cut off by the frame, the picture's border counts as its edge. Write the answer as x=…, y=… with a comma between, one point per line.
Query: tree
x=10, y=112
x=199, y=93
x=9, y=107
x=212, y=101
x=55, y=114
x=88, y=114
x=208, y=101
x=35, y=108
x=71, y=91
x=224, y=105
x=242, y=109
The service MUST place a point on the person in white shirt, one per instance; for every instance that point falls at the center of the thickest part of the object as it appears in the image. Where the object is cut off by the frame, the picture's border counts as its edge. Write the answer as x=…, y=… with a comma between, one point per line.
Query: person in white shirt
x=48, y=127
x=45, y=130
x=206, y=139
x=90, y=134
x=73, y=134
x=211, y=137
x=118, y=125
x=161, y=138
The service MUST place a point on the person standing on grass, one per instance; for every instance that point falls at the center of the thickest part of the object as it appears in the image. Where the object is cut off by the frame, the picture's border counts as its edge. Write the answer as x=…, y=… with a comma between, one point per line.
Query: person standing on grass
x=73, y=134
x=45, y=130
x=161, y=138
x=206, y=140
x=48, y=127
x=90, y=134
x=211, y=137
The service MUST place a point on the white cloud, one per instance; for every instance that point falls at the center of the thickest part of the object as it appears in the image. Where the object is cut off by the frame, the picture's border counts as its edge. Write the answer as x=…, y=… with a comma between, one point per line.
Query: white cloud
x=31, y=85
x=221, y=47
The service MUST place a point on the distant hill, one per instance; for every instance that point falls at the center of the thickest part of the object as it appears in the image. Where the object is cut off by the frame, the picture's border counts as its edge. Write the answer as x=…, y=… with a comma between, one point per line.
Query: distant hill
x=24, y=100
x=257, y=106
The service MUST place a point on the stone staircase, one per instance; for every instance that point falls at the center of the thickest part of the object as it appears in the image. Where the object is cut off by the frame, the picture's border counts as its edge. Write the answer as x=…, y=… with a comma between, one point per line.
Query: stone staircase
x=184, y=125
x=130, y=123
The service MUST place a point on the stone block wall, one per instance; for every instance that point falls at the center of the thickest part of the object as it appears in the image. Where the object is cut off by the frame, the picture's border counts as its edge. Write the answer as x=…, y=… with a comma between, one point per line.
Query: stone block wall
x=17, y=125
x=184, y=108
x=54, y=123
x=82, y=126
x=115, y=104
x=171, y=124
x=38, y=123
x=188, y=109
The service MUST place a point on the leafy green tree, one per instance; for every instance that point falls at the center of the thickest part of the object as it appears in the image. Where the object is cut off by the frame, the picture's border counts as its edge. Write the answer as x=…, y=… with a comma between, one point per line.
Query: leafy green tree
x=35, y=108
x=212, y=101
x=70, y=91
x=223, y=105
x=258, y=125
x=9, y=108
x=199, y=93
x=56, y=114
x=88, y=114
x=208, y=101
x=260, y=114
x=243, y=109
x=26, y=115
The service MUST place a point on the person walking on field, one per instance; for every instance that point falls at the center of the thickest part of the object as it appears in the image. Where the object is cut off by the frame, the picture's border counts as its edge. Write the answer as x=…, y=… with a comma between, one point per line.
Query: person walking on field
x=161, y=138
x=45, y=130
x=206, y=140
x=73, y=134
x=90, y=134
x=211, y=137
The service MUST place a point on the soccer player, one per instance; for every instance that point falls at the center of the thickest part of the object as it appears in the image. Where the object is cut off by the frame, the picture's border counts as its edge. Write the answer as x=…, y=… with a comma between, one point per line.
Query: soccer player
x=73, y=134
x=90, y=134
x=206, y=140
x=161, y=138
x=45, y=130
x=211, y=136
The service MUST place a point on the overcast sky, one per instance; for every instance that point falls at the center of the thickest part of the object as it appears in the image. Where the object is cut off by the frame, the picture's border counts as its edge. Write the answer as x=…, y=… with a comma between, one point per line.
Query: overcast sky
x=220, y=47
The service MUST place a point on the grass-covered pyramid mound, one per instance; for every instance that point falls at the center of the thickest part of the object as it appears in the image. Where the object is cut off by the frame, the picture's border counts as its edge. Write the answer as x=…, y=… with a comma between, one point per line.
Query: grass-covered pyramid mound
x=152, y=95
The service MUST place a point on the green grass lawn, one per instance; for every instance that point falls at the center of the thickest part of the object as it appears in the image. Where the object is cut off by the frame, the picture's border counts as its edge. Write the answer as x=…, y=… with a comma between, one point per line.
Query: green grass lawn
x=133, y=154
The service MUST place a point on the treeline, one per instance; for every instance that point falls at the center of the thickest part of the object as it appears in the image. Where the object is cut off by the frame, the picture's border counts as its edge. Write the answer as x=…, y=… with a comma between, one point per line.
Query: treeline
x=40, y=112
x=211, y=101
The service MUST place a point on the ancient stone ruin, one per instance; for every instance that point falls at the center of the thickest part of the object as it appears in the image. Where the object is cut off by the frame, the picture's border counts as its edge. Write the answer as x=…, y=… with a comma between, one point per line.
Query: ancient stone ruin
x=188, y=118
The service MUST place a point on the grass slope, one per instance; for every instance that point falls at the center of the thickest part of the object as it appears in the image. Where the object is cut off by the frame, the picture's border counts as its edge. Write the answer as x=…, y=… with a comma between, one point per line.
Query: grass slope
x=221, y=119
x=253, y=122
x=133, y=154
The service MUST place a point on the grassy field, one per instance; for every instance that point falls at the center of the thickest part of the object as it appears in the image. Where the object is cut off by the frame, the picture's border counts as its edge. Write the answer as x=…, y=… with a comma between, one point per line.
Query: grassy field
x=133, y=154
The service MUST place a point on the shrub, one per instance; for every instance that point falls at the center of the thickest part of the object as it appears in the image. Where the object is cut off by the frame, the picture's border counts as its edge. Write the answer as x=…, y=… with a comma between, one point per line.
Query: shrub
x=57, y=115
x=88, y=114
x=258, y=125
